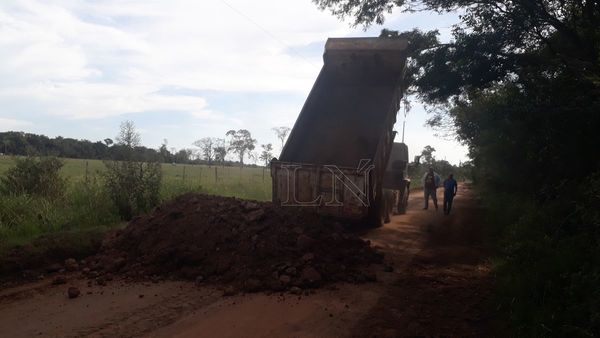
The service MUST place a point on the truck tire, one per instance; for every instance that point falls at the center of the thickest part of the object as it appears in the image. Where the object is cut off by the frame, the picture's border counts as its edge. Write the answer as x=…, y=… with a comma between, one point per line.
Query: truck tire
x=388, y=205
x=403, y=201
x=375, y=217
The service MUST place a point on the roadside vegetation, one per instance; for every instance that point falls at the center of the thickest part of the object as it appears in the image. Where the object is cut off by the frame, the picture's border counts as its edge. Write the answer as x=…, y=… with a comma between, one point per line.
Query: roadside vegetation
x=519, y=84
x=78, y=200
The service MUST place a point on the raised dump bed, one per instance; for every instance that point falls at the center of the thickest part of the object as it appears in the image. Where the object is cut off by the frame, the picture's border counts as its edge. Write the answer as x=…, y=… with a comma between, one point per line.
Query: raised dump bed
x=346, y=122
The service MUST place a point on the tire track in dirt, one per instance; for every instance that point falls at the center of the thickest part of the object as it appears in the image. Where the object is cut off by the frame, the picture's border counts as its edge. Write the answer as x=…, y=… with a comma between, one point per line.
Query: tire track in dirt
x=442, y=290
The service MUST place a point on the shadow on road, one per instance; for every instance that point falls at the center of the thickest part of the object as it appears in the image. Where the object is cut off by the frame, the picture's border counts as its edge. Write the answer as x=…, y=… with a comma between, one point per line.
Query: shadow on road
x=441, y=282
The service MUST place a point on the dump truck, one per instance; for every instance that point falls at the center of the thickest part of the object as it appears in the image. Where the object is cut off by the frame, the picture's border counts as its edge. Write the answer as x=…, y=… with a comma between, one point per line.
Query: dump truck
x=335, y=157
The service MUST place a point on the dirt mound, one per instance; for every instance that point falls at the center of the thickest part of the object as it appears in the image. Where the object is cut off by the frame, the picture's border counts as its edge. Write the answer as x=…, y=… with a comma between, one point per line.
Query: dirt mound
x=244, y=244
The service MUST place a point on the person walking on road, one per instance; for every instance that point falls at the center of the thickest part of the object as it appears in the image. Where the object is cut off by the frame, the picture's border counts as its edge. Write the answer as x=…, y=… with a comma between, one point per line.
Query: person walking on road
x=450, y=189
x=431, y=181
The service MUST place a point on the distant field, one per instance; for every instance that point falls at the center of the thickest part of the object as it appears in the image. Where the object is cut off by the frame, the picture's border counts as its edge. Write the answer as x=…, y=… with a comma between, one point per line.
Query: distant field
x=247, y=182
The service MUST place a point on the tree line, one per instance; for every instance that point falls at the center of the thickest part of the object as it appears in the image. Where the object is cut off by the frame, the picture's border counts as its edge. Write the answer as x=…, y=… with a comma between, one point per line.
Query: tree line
x=238, y=143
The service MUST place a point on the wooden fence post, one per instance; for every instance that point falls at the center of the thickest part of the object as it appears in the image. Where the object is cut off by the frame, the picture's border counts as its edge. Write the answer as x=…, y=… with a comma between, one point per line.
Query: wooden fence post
x=86, y=171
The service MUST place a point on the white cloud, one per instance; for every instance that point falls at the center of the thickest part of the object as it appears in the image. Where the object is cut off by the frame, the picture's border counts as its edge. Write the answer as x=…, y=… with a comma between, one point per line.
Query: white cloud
x=8, y=124
x=97, y=59
x=78, y=59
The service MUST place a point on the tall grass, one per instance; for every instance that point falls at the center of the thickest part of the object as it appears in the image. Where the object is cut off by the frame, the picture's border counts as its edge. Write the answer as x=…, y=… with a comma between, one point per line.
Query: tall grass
x=25, y=217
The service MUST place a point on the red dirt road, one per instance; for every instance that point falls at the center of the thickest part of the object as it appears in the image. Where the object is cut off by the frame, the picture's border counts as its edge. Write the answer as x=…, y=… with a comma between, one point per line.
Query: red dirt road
x=439, y=286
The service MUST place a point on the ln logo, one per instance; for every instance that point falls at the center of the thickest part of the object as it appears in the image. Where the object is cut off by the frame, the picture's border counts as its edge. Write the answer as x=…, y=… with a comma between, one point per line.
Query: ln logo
x=361, y=193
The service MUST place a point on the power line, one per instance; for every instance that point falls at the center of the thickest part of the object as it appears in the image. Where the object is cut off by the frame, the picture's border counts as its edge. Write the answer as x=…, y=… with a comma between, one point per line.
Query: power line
x=269, y=34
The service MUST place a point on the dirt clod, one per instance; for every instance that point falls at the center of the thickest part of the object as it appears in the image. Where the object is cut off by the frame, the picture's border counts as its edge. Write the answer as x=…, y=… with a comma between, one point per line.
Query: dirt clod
x=73, y=292
x=53, y=268
x=229, y=291
x=285, y=279
x=71, y=264
x=310, y=275
x=101, y=281
x=58, y=280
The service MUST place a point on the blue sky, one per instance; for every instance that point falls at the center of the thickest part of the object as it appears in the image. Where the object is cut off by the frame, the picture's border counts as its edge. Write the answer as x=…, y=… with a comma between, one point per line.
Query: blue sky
x=180, y=69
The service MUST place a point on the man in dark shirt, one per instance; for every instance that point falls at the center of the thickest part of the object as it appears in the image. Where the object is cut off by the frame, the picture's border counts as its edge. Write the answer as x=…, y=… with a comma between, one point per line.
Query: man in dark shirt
x=450, y=189
x=431, y=181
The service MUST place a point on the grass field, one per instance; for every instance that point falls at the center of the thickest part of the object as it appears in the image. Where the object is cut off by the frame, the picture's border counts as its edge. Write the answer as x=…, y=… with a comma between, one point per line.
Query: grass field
x=247, y=182
x=85, y=209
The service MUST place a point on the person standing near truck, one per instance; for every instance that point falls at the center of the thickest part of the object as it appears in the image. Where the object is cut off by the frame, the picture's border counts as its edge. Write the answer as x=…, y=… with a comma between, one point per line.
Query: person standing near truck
x=450, y=189
x=431, y=181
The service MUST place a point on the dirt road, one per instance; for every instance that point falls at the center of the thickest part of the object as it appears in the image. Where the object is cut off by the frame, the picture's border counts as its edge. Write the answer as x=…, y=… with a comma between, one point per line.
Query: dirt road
x=435, y=283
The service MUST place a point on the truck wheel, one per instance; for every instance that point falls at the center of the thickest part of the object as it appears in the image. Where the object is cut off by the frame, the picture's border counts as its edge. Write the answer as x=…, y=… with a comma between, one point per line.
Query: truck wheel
x=388, y=198
x=376, y=210
x=375, y=218
x=403, y=201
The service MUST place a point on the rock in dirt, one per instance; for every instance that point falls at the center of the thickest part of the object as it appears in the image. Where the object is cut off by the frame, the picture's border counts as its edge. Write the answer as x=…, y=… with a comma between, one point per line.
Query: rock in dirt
x=71, y=264
x=53, y=268
x=58, y=280
x=296, y=290
x=285, y=279
x=229, y=291
x=73, y=292
x=101, y=281
x=234, y=242
x=254, y=215
x=310, y=275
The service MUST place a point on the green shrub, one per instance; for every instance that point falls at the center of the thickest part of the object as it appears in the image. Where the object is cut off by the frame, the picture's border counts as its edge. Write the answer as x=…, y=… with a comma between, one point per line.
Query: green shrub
x=34, y=176
x=133, y=186
x=25, y=217
x=548, y=267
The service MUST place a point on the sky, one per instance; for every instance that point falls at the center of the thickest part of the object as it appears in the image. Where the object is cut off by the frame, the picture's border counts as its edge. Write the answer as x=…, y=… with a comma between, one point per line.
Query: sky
x=180, y=69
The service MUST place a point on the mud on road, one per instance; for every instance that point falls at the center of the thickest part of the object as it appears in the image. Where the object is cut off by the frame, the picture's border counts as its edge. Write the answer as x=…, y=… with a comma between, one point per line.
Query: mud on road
x=434, y=281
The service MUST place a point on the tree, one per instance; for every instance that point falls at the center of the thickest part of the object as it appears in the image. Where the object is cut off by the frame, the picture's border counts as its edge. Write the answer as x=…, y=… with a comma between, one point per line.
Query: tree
x=220, y=150
x=183, y=156
x=282, y=133
x=267, y=153
x=164, y=152
x=240, y=142
x=207, y=148
x=427, y=155
x=133, y=182
x=128, y=136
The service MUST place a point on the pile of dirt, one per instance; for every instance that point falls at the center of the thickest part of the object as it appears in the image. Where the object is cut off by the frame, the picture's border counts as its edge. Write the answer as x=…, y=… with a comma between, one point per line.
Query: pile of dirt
x=247, y=245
